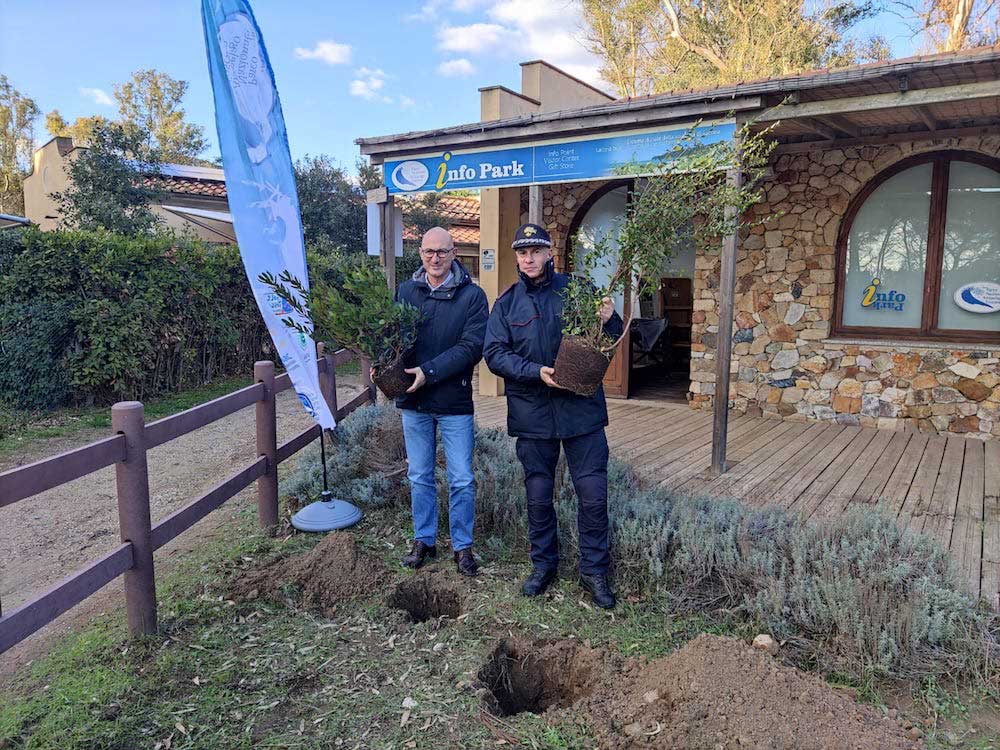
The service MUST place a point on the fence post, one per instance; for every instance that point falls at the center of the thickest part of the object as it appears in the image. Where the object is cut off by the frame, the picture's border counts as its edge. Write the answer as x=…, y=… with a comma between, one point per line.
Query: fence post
x=267, y=446
x=132, y=480
x=366, y=378
x=328, y=379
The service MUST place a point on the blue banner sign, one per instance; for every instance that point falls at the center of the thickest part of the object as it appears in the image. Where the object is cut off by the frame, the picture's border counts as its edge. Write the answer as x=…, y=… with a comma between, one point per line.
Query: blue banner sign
x=260, y=182
x=593, y=158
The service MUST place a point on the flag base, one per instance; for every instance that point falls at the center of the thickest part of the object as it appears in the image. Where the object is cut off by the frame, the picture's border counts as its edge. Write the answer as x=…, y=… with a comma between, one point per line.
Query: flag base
x=326, y=515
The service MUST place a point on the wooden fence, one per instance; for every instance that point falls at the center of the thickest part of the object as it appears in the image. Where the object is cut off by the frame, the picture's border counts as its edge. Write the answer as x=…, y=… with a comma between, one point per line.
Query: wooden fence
x=127, y=449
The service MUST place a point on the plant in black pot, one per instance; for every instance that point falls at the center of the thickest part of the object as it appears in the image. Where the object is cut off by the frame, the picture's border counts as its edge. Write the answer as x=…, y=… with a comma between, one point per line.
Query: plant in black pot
x=691, y=193
x=361, y=315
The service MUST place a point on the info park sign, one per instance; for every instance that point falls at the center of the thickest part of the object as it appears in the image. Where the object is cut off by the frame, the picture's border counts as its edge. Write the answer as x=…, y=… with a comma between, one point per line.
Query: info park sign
x=596, y=157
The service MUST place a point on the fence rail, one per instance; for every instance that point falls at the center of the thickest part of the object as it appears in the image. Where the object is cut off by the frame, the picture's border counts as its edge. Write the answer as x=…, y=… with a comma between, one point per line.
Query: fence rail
x=126, y=451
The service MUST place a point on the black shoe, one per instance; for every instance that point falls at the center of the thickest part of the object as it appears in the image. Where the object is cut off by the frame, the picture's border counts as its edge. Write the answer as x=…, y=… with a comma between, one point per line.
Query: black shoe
x=599, y=589
x=538, y=581
x=465, y=562
x=418, y=555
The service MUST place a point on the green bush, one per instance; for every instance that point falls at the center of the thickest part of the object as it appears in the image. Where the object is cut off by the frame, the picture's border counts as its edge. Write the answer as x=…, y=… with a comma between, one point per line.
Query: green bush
x=851, y=594
x=94, y=317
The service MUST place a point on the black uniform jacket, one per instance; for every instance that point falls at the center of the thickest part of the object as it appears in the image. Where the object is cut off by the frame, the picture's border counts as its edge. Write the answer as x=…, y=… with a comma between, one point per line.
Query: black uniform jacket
x=523, y=334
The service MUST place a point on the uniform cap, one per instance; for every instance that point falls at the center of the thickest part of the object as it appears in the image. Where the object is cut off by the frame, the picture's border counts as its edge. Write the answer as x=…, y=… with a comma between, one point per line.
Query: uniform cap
x=531, y=235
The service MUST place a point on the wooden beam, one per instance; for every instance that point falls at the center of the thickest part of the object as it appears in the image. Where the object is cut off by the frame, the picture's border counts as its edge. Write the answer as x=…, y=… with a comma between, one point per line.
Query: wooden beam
x=875, y=140
x=842, y=125
x=535, y=204
x=387, y=249
x=873, y=102
x=724, y=340
x=818, y=128
x=928, y=119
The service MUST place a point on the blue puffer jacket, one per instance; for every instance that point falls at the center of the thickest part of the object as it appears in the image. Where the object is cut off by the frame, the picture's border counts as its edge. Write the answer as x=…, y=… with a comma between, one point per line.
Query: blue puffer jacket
x=449, y=342
x=523, y=335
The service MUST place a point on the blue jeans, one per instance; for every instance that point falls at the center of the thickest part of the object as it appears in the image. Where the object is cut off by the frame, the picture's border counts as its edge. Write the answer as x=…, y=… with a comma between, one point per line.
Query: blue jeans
x=420, y=433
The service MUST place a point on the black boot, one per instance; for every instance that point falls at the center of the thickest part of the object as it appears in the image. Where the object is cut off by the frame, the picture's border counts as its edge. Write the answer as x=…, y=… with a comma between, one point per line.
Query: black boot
x=466, y=563
x=538, y=581
x=599, y=589
x=418, y=555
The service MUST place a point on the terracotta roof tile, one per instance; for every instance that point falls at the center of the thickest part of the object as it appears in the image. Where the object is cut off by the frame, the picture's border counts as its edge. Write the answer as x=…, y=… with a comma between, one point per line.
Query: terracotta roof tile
x=461, y=216
x=188, y=186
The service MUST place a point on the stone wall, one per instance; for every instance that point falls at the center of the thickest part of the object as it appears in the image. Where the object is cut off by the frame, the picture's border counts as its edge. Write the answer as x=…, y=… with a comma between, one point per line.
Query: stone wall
x=785, y=365
x=560, y=204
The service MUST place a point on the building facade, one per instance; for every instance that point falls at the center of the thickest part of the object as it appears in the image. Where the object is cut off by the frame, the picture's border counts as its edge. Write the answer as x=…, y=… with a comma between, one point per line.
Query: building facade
x=868, y=293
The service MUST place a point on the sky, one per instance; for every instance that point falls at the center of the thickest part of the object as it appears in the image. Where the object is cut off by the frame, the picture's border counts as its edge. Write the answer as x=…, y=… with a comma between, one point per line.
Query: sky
x=344, y=68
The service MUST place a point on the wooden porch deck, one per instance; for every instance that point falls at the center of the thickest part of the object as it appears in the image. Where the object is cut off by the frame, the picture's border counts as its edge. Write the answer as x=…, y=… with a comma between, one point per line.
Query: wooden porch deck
x=945, y=486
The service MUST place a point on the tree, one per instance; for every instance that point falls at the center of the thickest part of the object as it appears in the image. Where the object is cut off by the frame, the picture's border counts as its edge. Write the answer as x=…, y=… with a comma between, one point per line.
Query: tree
x=17, y=141
x=651, y=46
x=951, y=25
x=81, y=130
x=331, y=204
x=150, y=103
x=109, y=185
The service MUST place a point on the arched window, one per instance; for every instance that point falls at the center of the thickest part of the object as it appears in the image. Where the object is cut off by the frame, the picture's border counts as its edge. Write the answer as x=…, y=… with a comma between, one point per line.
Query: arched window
x=919, y=252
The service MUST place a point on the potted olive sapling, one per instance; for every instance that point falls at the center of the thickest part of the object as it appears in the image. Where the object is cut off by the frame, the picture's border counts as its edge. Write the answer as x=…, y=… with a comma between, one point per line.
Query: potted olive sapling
x=684, y=195
x=361, y=315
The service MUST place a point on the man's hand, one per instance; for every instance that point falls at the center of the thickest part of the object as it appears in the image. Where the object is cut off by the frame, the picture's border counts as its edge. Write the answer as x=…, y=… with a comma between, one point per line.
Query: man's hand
x=419, y=378
x=546, y=374
x=606, y=310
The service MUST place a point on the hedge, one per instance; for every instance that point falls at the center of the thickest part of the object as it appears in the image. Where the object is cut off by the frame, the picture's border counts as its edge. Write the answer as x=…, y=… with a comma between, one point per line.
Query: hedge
x=92, y=318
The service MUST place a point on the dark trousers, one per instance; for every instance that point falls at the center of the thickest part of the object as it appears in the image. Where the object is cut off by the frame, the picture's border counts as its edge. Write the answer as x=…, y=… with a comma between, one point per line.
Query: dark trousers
x=587, y=456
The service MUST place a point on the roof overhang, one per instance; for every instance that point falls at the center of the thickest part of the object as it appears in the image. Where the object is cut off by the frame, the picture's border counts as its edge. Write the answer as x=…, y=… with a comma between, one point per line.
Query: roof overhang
x=934, y=94
x=217, y=222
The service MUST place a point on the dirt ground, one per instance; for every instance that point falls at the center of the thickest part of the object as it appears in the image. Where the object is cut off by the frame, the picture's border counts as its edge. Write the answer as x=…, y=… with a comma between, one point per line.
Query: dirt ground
x=715, y=693
x=47, y=537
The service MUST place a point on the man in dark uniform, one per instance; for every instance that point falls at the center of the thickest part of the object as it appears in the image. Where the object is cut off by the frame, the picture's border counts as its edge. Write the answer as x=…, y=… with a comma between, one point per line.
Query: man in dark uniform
x=522, y=339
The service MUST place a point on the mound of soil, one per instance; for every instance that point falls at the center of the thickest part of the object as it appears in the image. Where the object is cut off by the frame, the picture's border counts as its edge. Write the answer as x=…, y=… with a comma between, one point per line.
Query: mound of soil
x=578, y=367
x=391, y=379
x=713, y=694
x=331, y=572
x=537, y=675
x=719, y=693
x=426, y=597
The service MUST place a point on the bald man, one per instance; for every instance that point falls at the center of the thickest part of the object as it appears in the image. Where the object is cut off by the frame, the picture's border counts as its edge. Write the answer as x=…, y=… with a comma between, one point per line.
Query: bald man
x=449, y=345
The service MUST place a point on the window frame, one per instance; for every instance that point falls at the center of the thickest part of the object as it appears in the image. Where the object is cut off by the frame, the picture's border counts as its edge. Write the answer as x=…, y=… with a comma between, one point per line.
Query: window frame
x=938, y=212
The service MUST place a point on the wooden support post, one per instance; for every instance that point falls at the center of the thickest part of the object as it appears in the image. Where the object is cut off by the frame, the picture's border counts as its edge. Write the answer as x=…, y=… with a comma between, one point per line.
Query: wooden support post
x=328, y=379
x=366, y=377
x=132, y=480
x=724, y=346
x=267, y=446
x=535, y=214
x=387, y=249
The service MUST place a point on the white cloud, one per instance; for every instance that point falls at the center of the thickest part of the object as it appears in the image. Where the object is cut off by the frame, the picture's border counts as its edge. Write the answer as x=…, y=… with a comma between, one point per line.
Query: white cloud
x=475, y=38
x=519, y=30
x=431, y=9
x=458, y=68
x=99, y=96
x=332, y=53
x=549, y=30
x=428, y=12
x=406, y=102
x=368, y=84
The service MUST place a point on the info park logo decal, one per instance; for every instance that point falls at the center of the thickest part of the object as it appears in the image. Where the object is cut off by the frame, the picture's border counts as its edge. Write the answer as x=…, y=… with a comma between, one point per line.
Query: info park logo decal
x=412, y=175
x=877, y=299
x=981, y=297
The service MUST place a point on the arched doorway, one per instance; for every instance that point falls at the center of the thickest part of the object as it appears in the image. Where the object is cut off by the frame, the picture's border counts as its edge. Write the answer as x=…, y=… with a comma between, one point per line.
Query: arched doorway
x=655, y=359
